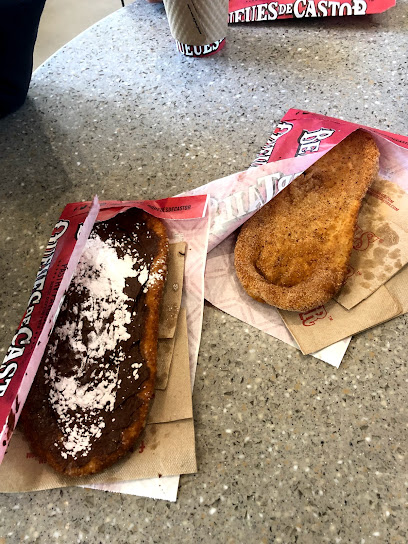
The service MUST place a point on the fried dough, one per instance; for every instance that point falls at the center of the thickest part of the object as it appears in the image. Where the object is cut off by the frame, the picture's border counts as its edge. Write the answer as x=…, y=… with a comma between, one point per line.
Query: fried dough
x=293, y=253
x=90, y=398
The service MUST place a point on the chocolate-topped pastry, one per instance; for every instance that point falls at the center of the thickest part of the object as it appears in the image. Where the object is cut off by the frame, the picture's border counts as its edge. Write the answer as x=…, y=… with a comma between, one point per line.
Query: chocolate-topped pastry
x=90, y=398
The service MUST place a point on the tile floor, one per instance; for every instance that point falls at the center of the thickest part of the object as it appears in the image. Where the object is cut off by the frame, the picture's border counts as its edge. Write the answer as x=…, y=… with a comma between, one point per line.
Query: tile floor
x=62, y=20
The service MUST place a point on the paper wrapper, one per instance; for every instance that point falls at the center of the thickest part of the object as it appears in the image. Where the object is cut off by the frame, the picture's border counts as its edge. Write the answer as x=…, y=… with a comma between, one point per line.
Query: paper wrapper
x=324, y=325
x=333, y=321
x=198, y=26
x=248, y=11
x=380, y=247
x=165, y=488
x=23, y=357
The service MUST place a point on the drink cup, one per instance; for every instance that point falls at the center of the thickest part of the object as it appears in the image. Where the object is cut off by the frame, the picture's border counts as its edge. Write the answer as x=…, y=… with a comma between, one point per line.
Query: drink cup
x=198, y=26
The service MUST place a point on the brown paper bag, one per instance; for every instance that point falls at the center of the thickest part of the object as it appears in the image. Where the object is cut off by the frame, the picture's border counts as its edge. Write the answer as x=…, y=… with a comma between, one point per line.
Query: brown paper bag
x=173, y=290
x=380, y=247
x=327, y=324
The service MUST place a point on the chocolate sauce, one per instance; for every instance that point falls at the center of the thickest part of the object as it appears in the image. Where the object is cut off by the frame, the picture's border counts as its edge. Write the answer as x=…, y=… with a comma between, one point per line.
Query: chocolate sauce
x=73, y=429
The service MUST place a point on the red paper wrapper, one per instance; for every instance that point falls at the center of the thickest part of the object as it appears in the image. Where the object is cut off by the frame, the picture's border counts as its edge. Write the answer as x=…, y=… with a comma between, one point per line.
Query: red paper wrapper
x=248, y=11
x=58, y=265
x=302, y=133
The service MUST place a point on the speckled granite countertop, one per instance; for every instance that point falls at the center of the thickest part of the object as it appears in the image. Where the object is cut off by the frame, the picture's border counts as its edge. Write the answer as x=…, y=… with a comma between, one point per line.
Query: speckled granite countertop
x=289, y=449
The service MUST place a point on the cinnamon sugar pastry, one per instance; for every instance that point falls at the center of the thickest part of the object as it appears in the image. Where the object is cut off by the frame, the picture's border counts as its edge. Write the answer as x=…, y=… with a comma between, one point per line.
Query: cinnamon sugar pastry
x=90, y=399
x=293, y=253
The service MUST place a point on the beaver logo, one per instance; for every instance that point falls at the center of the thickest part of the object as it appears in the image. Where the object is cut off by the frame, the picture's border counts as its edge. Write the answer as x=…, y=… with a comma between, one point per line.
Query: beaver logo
x=362, y=240
x=310, y=317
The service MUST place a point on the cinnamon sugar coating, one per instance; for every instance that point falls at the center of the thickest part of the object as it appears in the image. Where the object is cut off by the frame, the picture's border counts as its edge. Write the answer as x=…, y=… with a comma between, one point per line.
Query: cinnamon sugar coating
x=293, y=253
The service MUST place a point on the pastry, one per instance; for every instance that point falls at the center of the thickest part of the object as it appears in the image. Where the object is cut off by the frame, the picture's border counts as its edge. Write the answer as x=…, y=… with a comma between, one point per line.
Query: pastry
x=89, y=402
x=293, y=253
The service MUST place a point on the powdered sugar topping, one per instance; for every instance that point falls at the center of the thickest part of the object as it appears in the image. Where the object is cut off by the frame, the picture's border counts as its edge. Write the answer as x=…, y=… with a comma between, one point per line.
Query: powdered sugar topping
x=101, y=275
x=156, y=276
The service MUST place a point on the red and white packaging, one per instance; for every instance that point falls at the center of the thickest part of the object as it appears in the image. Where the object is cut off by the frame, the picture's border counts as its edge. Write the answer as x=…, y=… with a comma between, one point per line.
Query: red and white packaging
x=302, y=133
x=249, y=11
x=186, y=218
x=298, y=141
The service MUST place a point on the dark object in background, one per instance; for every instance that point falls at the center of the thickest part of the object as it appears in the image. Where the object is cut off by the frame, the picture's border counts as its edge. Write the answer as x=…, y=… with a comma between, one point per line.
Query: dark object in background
x=19, y=20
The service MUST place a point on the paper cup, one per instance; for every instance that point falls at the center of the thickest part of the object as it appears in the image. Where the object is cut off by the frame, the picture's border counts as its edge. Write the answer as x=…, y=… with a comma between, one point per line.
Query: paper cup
x=198, y=26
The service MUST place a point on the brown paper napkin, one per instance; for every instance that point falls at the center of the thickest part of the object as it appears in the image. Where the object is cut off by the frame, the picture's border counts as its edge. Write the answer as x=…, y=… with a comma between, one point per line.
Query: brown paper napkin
x=175, y=402
x=165, y=347
x=325, y=325
x=380, y=247
x=167, y=447
x=173, y=290
x=398, y=287
x=168, y=320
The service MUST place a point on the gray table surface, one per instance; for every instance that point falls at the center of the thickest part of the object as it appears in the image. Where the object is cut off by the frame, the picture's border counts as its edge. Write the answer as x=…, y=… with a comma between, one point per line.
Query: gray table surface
x=313, y=455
